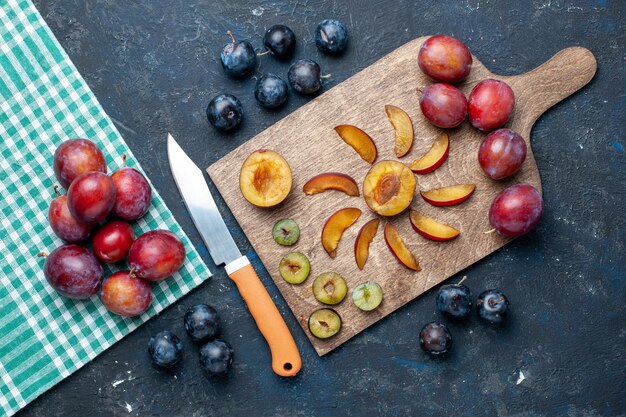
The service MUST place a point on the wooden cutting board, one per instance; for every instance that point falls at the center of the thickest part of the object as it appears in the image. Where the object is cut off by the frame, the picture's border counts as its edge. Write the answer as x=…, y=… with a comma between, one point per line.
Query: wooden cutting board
x=308, y=142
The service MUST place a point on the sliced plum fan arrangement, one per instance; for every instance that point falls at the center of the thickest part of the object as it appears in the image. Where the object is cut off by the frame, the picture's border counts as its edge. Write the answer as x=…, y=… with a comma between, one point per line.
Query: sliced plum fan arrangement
x=375, y=177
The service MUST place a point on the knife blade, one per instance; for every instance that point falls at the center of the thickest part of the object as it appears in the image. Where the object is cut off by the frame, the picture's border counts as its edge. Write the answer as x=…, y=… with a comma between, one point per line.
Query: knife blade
x=195, y=192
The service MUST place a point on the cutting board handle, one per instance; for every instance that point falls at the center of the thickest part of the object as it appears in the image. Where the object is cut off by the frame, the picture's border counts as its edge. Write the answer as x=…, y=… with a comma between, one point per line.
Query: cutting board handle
x=559, y=77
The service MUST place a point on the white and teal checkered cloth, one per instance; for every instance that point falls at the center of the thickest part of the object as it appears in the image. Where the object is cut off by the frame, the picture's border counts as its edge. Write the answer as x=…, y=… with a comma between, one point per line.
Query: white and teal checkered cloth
x=44, y=101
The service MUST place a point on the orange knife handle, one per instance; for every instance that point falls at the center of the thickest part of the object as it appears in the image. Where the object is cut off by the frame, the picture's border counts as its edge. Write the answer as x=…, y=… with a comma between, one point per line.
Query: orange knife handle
x=286, y=359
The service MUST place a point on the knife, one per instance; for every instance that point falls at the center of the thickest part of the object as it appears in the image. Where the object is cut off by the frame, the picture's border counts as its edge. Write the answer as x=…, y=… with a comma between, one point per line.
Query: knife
x=189, y=178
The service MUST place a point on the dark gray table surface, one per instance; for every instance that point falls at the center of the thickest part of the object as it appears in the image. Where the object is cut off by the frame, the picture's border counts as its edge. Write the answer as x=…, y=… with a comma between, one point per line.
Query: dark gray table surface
x=154, y=66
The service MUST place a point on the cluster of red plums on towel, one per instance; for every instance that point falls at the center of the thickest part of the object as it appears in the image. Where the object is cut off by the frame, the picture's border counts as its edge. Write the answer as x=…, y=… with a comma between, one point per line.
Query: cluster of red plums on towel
x=96, y=210
x=491, y=103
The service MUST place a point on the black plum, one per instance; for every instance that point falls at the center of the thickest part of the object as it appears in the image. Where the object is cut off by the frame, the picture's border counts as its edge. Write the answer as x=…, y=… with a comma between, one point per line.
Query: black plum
x=454, y=300
x=331, y=36
x=238, y=58
x=492, y=306
x=202, y=322
x=435, y=338
x=165, y=349
x=271, y=91
x=304, y=76
x=216, y=357
x=280, y=41
x=225, y=112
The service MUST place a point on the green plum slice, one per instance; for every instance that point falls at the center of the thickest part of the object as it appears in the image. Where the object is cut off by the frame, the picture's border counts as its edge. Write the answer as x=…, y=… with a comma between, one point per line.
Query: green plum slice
x=324, y=323
x=295, y=268
x=367, y=296
x=330, y=288
x=286, y=232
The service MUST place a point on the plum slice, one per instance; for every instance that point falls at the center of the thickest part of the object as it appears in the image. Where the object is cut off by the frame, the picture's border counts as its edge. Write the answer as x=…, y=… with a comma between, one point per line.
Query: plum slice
x=335, y=226
x=324, y=323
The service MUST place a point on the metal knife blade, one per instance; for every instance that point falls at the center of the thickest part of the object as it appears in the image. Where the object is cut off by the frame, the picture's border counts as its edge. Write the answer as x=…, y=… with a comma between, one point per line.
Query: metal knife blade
x=199, y=201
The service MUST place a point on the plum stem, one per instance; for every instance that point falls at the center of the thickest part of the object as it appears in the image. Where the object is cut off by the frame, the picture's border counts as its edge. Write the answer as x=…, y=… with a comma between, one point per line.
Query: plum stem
x=230, y=34
x=56, y=190
x=490, y=231
x=419, y=90
x=263, y=53
x=124, y=159
x=326, y=76
x=42, y=255
x=131, y=273
x=462, y=279
x=495, y=302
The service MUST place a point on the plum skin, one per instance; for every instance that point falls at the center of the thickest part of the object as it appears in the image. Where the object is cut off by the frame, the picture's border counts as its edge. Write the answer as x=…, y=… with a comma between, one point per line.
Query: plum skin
x=445, y=59
x=224, y=112
x=502, y=153
x=124, y=294
x=491, y=104
x=271, y=91
x=75, y=157
x=165, y=349
x=132, y=194
x=280, y=40
x=443, y=105
x=238, y=58
x=516, y=210
x=113, y=241
x=304, y=76
x=156, y=255
x=331, y=36
x=435, y=339
x=91, y=197
x=216, y=357
x=73, y=272
x=64, y=224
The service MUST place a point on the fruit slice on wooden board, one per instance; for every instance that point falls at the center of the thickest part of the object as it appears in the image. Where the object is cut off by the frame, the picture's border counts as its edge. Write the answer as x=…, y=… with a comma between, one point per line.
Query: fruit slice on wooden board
x=265, y=178
x=335, y=226
x=363, y=241
x=436, y=155
x=331, y=181
x=389, y=187
x=360, y=141
x=307, y=140
x=448, y=196
x=403, y=125
x=431, y=228
x=399, y=249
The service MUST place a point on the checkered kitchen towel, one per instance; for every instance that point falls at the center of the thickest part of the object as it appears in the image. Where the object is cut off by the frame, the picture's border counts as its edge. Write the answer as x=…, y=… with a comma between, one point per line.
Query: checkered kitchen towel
x=43, y=100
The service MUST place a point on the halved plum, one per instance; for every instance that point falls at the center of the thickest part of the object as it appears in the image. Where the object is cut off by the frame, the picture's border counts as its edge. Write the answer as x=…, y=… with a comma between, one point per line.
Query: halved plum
x=331, y=181
x=363, y=241
x=399, y=249
x=436, y=155
x=448, y=196
x=403, y=125
x=431, y=228
x=360, y=141
x=265, y=178
x=335, y=226
x=389, y=187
